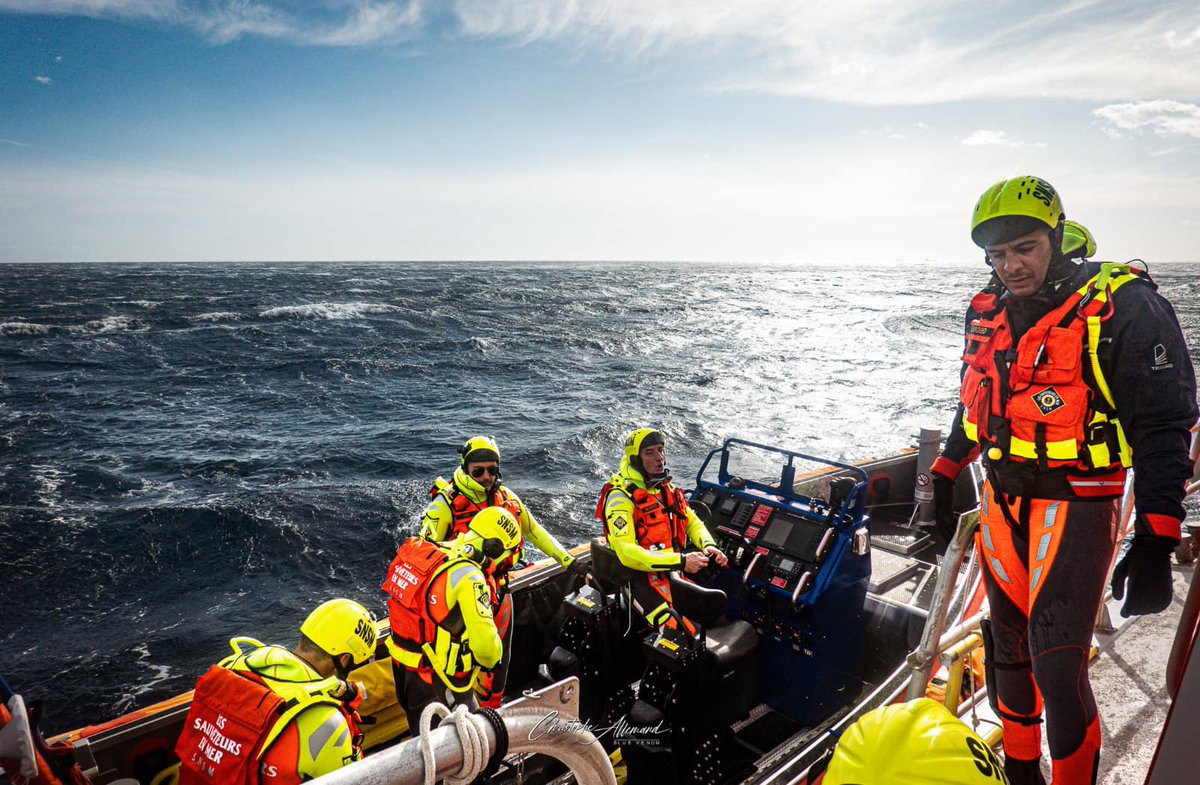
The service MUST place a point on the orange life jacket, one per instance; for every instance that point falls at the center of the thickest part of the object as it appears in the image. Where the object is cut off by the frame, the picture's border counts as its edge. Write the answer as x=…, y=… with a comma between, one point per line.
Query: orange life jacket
x=409, y=579
x=231, y=716
x=424, y=632
x=463, y=509
x=1049, y=405
x=659, y=521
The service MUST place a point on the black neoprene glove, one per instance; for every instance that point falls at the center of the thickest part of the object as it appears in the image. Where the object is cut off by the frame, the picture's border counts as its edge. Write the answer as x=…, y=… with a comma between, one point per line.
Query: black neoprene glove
x=945, y=522
x=577, y=568
x=1146, y=570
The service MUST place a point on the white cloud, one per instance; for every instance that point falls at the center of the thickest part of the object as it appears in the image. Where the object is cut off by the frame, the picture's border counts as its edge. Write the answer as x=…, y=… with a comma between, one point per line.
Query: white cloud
x=13, y=142
x=151, y=9
x=858, y=51
x=43, y=79
x=882, y=52
x=1164, y=118
x=983, y=137
x=340, y=23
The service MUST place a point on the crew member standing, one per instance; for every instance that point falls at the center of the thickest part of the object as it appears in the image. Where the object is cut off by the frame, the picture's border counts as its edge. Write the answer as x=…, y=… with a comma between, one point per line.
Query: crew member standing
x=1072, y=374
x=271, y=716
x=440, y=610
x=477, y=486
x=648, y=524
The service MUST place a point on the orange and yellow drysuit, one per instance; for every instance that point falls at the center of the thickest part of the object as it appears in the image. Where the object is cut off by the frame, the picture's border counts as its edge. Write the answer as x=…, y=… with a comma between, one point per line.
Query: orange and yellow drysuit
x=648, y=528
x=264, y=716
x=448, y=514
x=442, y=628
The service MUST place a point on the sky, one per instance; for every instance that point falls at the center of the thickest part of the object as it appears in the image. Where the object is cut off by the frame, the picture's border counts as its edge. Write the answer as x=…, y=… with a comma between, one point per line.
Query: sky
x=859, y=131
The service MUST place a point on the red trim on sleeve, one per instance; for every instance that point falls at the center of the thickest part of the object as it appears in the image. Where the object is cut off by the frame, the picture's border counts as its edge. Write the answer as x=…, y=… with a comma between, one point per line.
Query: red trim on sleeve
x=1164, y=525
x=946, y=467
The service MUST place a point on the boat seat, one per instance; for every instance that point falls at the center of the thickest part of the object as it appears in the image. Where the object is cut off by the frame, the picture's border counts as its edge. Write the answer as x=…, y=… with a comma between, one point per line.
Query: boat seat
x=728, y=643
x=730, y=649
x=609, y=575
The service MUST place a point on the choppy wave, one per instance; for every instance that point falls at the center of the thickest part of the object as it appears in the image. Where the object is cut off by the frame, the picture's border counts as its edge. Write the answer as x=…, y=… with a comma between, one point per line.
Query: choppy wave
x=336, y=311
x=24, y=328
x=217, y=316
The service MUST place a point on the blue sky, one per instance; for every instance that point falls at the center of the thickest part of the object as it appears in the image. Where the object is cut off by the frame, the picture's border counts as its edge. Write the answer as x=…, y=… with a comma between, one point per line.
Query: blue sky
x=760, y=130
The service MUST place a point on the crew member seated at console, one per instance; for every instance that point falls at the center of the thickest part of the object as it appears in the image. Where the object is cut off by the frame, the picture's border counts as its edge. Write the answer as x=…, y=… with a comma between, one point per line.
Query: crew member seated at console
x=271, y=716
x=648, y=524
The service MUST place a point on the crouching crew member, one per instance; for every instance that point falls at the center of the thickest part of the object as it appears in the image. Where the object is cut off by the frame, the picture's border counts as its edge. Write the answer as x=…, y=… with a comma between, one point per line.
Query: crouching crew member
x=648, y=524
x=268, y=715
x=477, y=486
x=440, y=608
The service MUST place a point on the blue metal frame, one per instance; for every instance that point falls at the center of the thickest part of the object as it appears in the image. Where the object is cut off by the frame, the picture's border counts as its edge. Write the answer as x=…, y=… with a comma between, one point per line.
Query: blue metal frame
x=848, y=517
x=784, y=493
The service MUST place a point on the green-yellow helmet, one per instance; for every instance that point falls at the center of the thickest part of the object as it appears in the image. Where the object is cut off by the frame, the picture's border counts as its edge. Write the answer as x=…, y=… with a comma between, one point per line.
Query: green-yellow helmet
x=342, y=627
x=498, y=529
x=1078, y=242
x=640, y=439
x=479, y=448
x=914, y=743
x=1015, y=207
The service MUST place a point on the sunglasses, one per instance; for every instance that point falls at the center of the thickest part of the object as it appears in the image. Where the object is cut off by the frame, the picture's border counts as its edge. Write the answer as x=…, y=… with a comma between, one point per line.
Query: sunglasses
x=479, y=471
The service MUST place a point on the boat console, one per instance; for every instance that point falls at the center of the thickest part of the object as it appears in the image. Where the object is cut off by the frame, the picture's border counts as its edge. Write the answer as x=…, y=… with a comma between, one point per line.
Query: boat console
x=798, y=573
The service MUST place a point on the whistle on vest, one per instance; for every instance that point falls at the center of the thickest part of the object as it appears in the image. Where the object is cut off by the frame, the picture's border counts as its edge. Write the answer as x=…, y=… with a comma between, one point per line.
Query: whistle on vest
x=351, y=693
x=1001, y=437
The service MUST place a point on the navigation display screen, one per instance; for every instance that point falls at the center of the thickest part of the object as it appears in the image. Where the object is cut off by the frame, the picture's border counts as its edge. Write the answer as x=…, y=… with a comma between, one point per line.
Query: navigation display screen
x=777, y=533
x=794, y=536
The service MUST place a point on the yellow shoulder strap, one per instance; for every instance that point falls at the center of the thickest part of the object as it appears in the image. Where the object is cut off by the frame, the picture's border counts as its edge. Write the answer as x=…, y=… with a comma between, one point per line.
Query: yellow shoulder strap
x=1112, y=276
x=290, y=714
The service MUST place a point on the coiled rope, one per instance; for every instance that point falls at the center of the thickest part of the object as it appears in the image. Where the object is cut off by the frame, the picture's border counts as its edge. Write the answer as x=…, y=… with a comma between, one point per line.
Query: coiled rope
x=472, y=734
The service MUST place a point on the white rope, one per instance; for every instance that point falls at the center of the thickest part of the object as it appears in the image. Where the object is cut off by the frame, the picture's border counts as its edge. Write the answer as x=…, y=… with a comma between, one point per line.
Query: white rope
x=472, y=734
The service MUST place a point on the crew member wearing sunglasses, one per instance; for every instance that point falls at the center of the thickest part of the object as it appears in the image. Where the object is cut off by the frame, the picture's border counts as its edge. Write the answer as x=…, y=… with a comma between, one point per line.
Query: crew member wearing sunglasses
x=477, y=486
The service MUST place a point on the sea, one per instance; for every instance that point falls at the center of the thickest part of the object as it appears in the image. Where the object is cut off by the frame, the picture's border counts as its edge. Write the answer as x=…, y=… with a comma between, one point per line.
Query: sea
x=193, y=452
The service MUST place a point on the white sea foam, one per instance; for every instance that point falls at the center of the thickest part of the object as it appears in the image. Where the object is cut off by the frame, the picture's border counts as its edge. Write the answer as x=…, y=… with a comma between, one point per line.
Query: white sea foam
x=111, y=324
x=23, y=328
x=216, y=316
x=328, y=310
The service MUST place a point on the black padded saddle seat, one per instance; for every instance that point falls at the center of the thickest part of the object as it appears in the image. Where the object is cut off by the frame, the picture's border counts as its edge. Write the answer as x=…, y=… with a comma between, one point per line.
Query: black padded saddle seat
x=727, y=642
x=730, y=642
x=607, y=571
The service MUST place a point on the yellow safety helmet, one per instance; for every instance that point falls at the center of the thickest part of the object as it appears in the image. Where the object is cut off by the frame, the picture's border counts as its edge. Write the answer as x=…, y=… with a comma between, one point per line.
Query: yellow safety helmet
x=1015, y=207
x=640, y=439
x=479, y=448
x=342, y=627
x=914, y=743
x=499, y=530
x=1077, y=242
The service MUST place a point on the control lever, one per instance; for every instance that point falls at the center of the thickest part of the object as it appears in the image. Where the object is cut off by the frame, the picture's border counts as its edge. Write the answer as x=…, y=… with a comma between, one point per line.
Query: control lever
x=821, y=547
x=750, y=569
x=801, y=585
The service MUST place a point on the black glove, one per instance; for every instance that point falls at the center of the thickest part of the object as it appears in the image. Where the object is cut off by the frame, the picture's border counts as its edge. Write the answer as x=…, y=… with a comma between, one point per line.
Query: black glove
x=1147, y=568
x=945, y=522
x=577, y=568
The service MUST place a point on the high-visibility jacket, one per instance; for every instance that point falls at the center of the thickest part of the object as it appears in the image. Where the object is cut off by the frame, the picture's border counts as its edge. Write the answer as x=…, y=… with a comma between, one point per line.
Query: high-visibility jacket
x=440, y=608
x=648, y=530
x=659, y=521
x=1047, y=402
x=246, y=703
x=463, y=509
